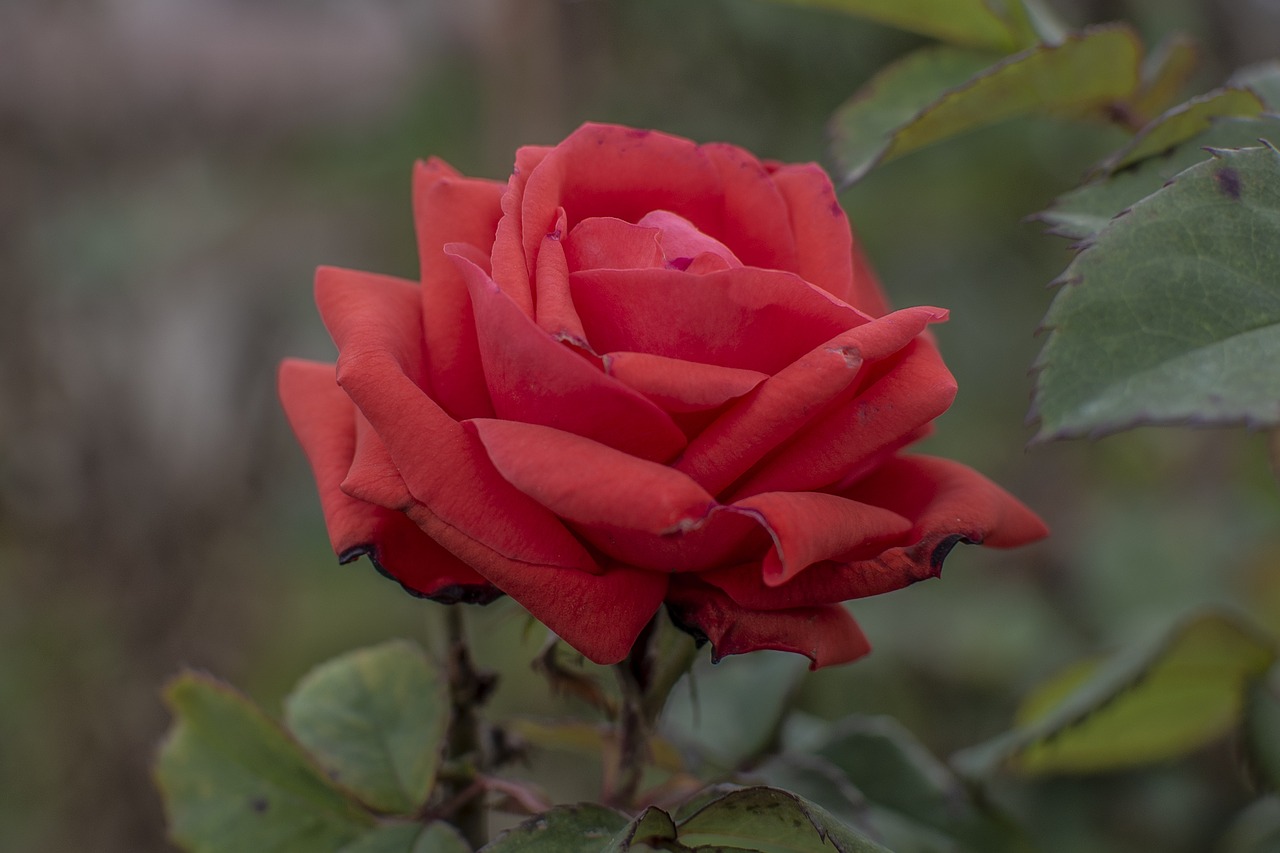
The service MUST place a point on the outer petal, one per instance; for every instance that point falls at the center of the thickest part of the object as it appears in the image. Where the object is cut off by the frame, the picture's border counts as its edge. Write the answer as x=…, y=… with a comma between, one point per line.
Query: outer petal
x=779, y=407
x=553, y=304
x=375, y=321
x=448, y=208
x=323, y=417
x=534, y=379
x=824, y=241
x=808, y=527
x=852, y=438
x=586, y=482
x=745, y=318
x=946, y=502
x=825, y=635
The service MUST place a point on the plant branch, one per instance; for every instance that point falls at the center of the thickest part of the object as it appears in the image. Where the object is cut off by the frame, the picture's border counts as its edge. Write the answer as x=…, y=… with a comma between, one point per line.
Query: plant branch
x=468, y=689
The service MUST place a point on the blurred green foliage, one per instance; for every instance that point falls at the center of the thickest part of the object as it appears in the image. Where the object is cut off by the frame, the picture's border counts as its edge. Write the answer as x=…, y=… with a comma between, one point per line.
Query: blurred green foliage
x=129, y=548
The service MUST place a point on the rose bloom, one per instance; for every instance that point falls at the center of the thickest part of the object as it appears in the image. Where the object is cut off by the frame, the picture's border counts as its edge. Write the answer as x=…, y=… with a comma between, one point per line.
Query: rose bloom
x=641, y=371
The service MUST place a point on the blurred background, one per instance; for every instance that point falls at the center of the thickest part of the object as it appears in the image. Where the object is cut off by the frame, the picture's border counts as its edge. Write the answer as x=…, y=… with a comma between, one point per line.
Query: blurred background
x=171, y=172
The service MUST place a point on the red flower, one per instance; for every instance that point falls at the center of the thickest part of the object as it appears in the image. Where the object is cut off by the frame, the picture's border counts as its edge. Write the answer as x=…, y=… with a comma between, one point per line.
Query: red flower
x=641, y=371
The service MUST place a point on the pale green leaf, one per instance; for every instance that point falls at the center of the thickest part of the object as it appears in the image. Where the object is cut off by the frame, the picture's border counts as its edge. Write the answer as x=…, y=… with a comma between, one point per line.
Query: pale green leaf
x=1182, y=123
x=933, y=95
x=973, y=23
x=375, y=719
x=582, y=828
x=771, y=821
x=233, y=780
x=1154, y=701
x=1171, y=315
x=1086, y=210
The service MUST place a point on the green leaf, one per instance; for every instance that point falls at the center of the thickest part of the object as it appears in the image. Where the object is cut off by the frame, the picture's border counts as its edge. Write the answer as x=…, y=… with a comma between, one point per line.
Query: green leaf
x=1171, y=315
x=376, y=720
x=730, y=712
x=938, y=93
x=233, y=780
x=1182, y=123
x=771, y=821
x=582, y=828
x=1085, y=211
x=588, y=739
x=652, y=828
x=410, y=838
x=974, y=23
x=1263, y=79
x=1155, y=701
x=1262, y=729
x=1165, y=73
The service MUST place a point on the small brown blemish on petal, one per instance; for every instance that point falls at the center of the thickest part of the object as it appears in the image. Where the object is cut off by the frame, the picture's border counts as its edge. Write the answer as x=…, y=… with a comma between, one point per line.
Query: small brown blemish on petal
x=1228, y=181
x=836, y=209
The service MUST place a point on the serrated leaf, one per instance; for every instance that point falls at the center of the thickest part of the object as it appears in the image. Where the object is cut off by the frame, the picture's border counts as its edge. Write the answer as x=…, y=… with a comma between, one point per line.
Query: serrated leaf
x=1263, y=79
x=771, y=821
x=582, y=828
x=1262, y=729
x=376, y=720
x=1172, y=314
x=973, y=23
x=728, y=712
x=1165, y=73
x=233, y=780
x=1086, y=210
x=410, y=838
x=652, y=828
x=1182, y=123
x=1154, y=701
x=919, y=101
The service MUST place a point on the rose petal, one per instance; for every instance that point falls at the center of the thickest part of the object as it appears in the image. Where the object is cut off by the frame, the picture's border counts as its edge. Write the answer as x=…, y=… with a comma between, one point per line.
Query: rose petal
x=824, y=241
x=719, y=539
x=782, y=405
x=853, y=437
x=323, y=417
x=808, y=527
x=678, y=238
x=606, y=170
x=586, y=482
x=534, y=379
x=553, y=304
x=826, y=635
x=375, y=323
x=449, y=208
x=681, y=386
x=946, y=502
x=744, y=318
x=603, y=242
x=758, y=222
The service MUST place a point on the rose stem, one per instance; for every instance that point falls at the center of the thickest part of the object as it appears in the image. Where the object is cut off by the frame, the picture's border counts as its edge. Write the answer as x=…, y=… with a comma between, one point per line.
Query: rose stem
x=467, y=689
x=631, y=729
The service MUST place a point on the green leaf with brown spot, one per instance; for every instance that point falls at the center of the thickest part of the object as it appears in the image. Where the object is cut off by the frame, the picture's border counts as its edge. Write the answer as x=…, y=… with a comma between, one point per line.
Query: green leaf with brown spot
x=1154, y=701
x=376, y=720
x=582, y=828
x=233, y=780
x=1171, y=314
x=938, y=93
x=771, y=821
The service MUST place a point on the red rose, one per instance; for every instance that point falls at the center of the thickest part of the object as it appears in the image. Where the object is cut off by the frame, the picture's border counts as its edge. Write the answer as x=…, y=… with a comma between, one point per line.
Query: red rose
x=641, y=371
